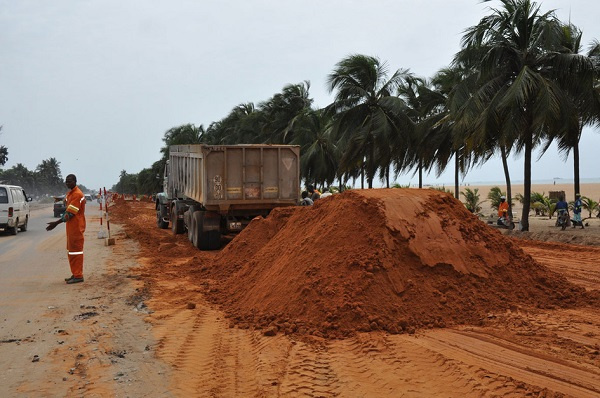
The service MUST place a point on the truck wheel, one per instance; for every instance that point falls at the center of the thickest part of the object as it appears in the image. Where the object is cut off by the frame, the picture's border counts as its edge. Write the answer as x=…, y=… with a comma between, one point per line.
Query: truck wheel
x=159, y=220
x=212, y=239
x=187, y=218
x=177, y=226
x=204, y=240
x=197, y=225
x=176, y=223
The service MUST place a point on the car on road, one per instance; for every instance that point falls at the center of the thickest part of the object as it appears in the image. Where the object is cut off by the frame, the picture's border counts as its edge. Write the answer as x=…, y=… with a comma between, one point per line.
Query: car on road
x=60, y=206
x=14, y=208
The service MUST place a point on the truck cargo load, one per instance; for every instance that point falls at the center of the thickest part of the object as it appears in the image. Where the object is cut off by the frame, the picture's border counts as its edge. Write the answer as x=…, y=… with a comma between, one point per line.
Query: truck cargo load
x=210, y=190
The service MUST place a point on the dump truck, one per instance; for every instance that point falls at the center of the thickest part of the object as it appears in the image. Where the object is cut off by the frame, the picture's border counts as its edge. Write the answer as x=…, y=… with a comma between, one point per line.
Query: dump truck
x=215, y=190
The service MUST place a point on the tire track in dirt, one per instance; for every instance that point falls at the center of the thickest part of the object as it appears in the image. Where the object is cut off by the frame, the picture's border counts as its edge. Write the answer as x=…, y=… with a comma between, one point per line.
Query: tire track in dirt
x=513, y=360
x=310, y=373
x=211, y=359
x=577, y=265
x=385, y=366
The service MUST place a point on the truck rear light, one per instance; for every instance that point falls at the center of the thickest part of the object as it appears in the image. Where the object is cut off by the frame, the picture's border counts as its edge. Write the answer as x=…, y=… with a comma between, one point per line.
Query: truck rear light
x=10, y=211
x=235, y=226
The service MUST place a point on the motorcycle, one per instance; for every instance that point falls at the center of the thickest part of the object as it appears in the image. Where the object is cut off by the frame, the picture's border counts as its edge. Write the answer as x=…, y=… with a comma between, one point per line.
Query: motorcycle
x=505, y=222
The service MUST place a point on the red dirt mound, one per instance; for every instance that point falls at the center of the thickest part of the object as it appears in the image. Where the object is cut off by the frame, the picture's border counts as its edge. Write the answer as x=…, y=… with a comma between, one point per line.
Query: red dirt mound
x=385, y=259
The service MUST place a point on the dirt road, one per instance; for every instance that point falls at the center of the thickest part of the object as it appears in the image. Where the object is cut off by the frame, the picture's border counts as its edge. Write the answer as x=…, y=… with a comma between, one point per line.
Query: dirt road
x=59, y=340
x=140, y=326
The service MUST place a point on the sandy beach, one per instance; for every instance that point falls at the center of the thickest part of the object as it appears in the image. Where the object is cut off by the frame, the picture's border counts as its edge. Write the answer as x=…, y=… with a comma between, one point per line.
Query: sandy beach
x=590, y=190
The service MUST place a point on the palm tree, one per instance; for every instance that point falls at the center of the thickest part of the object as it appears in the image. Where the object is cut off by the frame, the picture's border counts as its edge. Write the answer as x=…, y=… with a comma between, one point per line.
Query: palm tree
x=240, y=126
x=369, y=120
x=181, y=135
x=319, y=155
x=281, y=112
x=49, y=176
x=590, y=205
x=523, y=79
x=442, y=138
x=585, y=106
x=3, y=153
x=472, y=202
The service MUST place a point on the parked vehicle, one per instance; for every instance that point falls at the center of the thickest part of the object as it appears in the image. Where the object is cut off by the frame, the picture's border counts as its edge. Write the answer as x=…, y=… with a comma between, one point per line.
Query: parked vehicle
x=14, y=208
x=214, y=190
x=60, y=206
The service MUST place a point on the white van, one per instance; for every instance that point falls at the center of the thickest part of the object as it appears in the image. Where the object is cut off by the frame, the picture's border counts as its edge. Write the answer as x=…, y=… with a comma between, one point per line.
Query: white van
x=14, y=208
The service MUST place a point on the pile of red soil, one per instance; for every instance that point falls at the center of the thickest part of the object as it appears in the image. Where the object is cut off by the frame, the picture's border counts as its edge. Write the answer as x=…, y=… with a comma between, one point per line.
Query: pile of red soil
x=386, y=259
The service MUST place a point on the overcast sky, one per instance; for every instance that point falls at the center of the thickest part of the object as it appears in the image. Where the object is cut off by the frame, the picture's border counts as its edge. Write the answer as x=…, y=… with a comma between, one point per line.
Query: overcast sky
x=96, y=83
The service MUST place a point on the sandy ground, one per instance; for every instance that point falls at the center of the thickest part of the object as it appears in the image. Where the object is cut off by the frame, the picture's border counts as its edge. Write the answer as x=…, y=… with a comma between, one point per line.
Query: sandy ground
x=140, y=326
x=590, y=190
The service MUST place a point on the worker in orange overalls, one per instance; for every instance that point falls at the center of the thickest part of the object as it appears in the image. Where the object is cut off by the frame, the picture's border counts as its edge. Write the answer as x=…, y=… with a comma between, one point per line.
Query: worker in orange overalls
x=74, y=218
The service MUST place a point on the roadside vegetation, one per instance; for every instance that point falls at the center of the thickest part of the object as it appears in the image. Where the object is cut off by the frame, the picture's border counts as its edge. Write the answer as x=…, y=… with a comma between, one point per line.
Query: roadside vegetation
x=45, y=180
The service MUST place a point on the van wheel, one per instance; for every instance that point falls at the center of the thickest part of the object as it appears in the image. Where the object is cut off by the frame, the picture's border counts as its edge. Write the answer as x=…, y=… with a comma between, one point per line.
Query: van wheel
x=14, y=230
x=24, y=226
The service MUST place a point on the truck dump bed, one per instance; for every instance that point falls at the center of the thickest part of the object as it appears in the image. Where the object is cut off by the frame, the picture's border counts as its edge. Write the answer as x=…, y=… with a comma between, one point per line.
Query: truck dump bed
x=235, y=177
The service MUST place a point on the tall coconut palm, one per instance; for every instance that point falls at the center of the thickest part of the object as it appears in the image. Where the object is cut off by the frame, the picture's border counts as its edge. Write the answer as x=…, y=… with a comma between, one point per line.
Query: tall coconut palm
x=240, y=126
x=319, y=155
x=281, y=111
x=585, y=105
x=369, y=119
x=523, y=78
x=442, y=138
x=412, y=92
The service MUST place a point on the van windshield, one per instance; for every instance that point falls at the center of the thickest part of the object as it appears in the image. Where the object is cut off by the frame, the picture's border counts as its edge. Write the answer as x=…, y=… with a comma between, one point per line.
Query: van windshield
x=3, y=195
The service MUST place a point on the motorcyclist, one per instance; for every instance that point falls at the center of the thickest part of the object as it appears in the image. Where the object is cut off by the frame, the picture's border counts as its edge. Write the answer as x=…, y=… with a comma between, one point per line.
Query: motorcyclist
x=503, y=211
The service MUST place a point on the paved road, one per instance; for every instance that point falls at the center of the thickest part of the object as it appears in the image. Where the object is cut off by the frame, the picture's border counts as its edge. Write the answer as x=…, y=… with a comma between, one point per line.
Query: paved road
x=33, y=265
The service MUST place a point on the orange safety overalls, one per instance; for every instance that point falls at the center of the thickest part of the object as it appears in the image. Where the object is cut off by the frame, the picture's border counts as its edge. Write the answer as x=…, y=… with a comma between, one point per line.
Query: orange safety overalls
x=502, y=207
x=75, y=225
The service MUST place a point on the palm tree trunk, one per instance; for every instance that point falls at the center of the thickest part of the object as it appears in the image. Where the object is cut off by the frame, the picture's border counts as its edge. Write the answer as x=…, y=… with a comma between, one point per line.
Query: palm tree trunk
x=370, y=163
x=362, y=176
x=420, y=173
x=456, y=167
x=387, y=177
x=507, y=178
x=576, y=162
x=527, y=180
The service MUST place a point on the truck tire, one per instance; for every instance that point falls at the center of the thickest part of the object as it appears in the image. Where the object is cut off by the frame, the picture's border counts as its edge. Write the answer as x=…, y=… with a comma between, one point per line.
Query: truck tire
x=204, y=240
x=160, y=222
x=176, y=223
x=187, y=220
x=213, y=240
x=197, y=225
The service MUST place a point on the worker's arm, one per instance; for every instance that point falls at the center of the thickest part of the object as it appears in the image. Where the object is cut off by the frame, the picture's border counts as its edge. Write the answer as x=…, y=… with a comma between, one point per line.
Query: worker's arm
x=64, y=218
x=51, y=225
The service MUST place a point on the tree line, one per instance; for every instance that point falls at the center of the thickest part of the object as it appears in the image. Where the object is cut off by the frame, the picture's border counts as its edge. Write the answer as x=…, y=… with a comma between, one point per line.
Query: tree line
x=46, y=179
x=520, y=81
